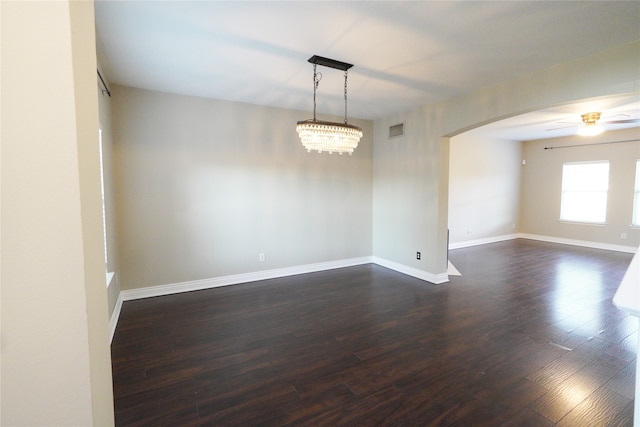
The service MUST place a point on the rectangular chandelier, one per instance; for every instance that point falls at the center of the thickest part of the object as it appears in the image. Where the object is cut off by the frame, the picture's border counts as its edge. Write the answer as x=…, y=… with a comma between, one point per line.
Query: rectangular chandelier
x=324, y=136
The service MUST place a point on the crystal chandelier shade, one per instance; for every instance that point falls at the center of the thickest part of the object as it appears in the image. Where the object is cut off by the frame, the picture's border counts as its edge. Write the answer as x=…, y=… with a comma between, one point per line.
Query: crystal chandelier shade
x=331, y=137
x=323, y=136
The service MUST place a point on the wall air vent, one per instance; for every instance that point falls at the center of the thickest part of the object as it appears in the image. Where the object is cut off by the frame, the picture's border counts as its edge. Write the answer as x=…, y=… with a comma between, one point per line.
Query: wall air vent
x=396, y=130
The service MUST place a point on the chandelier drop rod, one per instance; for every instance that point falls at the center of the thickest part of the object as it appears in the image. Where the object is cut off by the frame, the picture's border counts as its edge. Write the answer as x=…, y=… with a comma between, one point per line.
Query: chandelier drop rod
x=345, y=95
x=331, y=63
x=316, y=82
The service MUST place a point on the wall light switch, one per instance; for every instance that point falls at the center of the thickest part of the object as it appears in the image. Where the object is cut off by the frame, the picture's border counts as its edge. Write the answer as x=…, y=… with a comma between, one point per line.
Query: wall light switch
x=261, y=257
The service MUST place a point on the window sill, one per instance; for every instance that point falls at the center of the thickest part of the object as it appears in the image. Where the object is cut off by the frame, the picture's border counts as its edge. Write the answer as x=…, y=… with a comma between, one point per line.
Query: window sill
x=600, y=224
x=110, y=276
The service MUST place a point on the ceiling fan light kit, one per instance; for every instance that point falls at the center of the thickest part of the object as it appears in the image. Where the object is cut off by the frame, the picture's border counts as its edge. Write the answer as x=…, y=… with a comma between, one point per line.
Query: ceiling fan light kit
x=324, y=136
x=591, y=126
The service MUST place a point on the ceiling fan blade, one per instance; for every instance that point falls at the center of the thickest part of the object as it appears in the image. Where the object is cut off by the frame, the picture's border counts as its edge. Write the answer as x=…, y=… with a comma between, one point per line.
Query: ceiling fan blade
x=621, y=122
x=562, y=127
x=617, y=115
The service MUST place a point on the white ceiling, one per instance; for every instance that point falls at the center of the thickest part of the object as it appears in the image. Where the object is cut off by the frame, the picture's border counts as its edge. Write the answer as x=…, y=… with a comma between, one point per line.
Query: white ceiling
x=405, y=54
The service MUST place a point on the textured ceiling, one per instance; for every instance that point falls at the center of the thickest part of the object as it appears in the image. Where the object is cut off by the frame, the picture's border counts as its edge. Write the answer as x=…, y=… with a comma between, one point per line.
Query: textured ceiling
x=405, y=54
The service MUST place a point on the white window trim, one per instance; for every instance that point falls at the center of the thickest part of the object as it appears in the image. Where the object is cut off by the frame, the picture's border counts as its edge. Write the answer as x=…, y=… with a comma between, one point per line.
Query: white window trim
x=104, y=211
x=566, y=221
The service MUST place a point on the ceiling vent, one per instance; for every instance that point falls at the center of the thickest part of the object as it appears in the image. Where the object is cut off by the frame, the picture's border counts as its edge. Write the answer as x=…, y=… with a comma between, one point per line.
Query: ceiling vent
x=396, y=130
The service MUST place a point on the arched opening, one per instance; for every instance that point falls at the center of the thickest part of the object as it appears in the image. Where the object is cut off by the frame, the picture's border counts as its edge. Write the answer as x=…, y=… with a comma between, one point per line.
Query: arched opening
x=503, y=184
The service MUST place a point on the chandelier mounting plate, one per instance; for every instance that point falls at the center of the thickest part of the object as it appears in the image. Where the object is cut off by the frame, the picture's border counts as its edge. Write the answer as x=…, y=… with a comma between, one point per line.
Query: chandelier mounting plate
x=327, y=62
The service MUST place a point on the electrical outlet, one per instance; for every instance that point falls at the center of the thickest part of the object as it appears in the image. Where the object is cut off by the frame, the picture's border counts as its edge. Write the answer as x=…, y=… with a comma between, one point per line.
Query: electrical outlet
x=418, y=255
x=261, y=257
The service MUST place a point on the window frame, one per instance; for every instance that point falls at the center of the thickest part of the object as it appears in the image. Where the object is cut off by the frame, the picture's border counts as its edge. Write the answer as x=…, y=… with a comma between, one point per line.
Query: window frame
x=564, y=192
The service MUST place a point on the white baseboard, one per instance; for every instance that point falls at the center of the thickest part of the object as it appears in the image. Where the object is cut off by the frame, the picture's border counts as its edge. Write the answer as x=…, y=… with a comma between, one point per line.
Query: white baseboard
x=115, y=315
x=173, y=288
x=550, y=239
x=582, y=243
x=483, y=241
x=194, y=285
x=436, y=279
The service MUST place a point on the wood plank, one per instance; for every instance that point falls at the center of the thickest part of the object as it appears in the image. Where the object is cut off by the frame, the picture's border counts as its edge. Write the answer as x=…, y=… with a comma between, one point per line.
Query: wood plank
x=624, y=381
x=528, y=418
x=570, y=393
x=596, y=410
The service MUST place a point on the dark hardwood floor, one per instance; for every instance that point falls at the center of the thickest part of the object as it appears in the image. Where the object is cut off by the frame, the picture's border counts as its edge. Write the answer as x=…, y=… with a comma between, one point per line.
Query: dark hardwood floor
x=527, y=336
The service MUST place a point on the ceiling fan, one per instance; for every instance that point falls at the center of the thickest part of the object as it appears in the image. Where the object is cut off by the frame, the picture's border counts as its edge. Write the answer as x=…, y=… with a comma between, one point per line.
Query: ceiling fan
x=593, y=126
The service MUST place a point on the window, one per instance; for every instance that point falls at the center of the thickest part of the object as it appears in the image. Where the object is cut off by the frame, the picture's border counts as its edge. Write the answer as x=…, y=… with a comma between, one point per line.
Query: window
x=636, y=198
x=584, y=192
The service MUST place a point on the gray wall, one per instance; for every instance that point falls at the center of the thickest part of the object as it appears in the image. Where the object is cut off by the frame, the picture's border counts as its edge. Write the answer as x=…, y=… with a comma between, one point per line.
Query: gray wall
x=204, y=186
x=484, y=187
x=542, y=184
x=407, y=193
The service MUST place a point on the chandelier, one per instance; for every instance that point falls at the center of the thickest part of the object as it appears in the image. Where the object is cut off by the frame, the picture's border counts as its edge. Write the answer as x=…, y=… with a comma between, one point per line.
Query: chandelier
x=332, y=137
